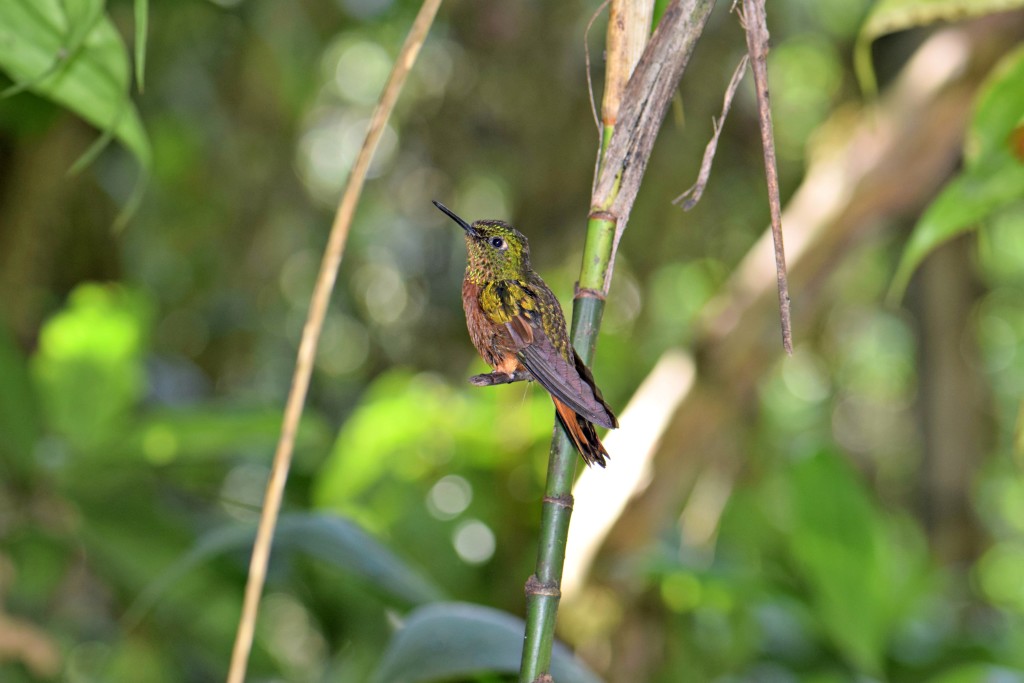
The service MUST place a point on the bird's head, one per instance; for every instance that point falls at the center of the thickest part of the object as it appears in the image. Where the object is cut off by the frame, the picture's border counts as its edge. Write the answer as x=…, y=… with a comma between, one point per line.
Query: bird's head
x=496, y=250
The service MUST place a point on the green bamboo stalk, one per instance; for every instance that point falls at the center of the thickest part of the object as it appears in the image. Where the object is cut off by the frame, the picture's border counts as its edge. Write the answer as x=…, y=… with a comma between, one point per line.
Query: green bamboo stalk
x=542, y=592
x=624, y=154
x=542, y=589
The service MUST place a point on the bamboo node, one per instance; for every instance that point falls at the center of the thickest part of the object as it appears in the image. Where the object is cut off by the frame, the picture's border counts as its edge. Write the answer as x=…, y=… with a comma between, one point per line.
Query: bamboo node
x=535, y=586
x=588, y=293
x=600, y=215
x=565, y=500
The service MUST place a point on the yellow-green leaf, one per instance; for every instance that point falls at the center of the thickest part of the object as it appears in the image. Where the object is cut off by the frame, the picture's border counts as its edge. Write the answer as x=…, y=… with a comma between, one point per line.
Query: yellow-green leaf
x=993, y=175
x=890, y=16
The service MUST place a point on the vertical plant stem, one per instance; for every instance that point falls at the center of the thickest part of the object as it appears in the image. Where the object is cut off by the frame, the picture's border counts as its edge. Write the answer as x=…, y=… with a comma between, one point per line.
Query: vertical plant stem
x=542, y=589
x=628, y=29
x=310, y=337
x=755, y=22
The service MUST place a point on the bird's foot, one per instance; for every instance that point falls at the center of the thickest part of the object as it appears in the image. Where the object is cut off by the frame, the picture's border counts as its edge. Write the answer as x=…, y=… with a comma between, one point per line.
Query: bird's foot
x=491, y=378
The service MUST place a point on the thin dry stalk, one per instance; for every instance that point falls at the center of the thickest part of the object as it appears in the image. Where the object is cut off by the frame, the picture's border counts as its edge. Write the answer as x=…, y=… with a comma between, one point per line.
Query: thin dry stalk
x=693, y=195
x=311, y=336
x=586, y=59
x=755, y=23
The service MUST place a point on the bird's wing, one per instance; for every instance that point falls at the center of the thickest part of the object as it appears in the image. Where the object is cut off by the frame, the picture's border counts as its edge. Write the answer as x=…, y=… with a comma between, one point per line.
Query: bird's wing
x=517, y=306
x=565, y=382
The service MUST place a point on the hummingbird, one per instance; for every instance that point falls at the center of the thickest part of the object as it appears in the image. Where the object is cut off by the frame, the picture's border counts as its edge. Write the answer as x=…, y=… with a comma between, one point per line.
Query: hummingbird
x=517, y=326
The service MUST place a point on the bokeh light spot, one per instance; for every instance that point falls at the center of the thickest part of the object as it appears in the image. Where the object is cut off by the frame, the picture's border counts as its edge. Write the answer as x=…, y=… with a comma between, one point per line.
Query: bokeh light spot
x=681, y=591
x=361, y=70
x=242, y=491
x=483, y=197
x=805, y=377
x=160, y=445
x=344, y=345
x=449, y=497
x=474, y=542
x=383, y=292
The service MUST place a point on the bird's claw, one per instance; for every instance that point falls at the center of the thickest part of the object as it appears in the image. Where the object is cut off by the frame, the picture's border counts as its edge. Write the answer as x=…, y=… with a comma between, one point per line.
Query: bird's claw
x=492, y=378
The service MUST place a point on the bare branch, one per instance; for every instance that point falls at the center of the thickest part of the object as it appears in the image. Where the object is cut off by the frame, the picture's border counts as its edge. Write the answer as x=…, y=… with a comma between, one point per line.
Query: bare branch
x=756, y=25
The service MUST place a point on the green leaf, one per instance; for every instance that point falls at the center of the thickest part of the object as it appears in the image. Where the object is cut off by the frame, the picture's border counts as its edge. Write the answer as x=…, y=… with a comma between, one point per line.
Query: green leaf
x=81, y=17
x=20, y=421
x=998, y=112
x=965, y=201
x=993, y=177
x=209, y=432
x=455, y=640
x=405, y=425
x=88, y=367
x=342, y=544
x=890, y=16
x=70, y=52
x=859, y=574
x=141, y=31
x=333, y=540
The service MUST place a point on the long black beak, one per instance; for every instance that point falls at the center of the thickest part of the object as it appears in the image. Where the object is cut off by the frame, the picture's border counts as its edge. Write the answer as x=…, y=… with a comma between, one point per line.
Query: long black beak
x=470, y=230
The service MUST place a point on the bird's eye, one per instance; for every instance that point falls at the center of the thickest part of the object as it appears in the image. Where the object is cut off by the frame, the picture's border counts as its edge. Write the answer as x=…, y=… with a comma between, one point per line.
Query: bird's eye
x=497, y=243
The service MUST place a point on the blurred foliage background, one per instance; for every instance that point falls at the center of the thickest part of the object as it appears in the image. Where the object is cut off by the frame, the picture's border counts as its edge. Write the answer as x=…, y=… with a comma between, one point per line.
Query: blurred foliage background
x=852, y=513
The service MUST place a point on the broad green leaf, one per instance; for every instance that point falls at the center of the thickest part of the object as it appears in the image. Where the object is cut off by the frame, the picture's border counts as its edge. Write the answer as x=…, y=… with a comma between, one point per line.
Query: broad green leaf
x=88, y=367
x=998, y=113
x=399, y=414
x=993, y=177
x=858, y=574
x=20, y=422
x=446, y=641
x=342, y=544
x=889, y=16
x=80, y=17
x=405, y=425
x=333, y=540
x=71, y=53
x=965, y=201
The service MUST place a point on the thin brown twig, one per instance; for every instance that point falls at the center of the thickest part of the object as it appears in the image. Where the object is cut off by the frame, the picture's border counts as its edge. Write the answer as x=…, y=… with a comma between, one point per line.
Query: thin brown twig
x=693, y=195
x=311, y=335
x=755, y=23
